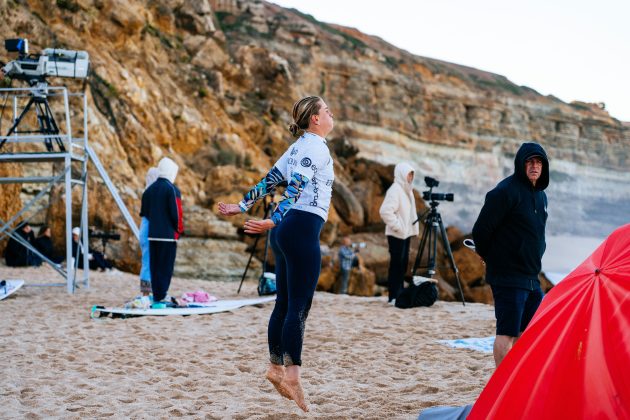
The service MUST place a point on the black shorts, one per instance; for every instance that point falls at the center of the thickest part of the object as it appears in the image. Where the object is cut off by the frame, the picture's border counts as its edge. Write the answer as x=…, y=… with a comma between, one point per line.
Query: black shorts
x=514, y=308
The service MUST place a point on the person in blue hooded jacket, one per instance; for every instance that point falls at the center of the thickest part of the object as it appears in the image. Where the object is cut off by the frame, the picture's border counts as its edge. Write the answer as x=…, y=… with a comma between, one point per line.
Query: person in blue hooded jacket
x=145, y=269
x=509, y=236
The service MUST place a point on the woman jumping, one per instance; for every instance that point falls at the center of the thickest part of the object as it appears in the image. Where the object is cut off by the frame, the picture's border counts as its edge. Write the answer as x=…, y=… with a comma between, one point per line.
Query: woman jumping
x=297, y=222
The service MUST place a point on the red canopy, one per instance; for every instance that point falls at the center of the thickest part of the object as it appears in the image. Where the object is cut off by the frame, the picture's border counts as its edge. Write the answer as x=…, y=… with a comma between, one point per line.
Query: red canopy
x=573, y=360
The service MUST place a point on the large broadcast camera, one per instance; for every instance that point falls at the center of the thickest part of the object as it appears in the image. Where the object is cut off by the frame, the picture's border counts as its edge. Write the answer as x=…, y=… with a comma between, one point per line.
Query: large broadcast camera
x=34, y=68
x=431, y=196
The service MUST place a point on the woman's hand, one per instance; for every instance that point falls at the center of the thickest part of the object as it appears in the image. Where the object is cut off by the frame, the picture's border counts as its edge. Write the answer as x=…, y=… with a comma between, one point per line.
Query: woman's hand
x=258, y=226
x=229, y=209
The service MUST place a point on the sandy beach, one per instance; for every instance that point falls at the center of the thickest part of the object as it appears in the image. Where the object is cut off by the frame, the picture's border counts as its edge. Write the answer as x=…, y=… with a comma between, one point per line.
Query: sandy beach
x=362, y=358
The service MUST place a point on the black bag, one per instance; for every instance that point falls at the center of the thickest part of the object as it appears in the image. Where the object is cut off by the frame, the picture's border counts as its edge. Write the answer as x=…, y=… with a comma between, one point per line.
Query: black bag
x=424, y=294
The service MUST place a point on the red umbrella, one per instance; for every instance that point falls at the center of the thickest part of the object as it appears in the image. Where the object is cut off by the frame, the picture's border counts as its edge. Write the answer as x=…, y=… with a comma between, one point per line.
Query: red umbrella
x=573, y=360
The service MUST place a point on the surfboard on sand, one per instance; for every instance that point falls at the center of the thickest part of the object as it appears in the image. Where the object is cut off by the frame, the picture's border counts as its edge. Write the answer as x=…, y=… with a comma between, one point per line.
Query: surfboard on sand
x=193, y=309
x=8, y=287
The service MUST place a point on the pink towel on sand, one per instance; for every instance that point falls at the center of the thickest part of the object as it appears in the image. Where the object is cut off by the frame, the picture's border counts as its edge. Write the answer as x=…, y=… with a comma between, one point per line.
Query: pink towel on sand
x=199, y=297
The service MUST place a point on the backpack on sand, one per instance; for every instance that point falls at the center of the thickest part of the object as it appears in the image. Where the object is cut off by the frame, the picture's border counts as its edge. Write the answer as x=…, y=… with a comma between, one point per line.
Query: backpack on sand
x=423, y=294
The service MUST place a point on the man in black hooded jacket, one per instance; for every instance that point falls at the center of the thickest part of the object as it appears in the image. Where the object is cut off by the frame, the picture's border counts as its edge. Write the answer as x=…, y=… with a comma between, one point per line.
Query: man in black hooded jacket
x=510, y=237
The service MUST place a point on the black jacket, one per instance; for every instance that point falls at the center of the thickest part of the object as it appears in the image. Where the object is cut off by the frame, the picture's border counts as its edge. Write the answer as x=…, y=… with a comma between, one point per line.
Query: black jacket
x=16, y=254
x=510, y=231
x=45, y=246
x=162, y=206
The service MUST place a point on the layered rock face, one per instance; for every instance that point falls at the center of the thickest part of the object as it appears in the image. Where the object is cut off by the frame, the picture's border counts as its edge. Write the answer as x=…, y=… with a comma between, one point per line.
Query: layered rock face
x=211, y=85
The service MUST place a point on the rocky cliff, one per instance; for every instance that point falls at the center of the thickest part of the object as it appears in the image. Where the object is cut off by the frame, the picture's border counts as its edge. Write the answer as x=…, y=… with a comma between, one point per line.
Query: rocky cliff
x=211, y=84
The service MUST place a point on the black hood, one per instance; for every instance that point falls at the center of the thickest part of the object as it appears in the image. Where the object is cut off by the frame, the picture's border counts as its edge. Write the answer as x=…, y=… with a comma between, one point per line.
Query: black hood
x=526, y=151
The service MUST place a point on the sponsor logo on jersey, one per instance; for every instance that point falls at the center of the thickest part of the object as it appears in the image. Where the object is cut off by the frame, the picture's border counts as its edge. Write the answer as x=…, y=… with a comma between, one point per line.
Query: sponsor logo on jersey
x=306, y=162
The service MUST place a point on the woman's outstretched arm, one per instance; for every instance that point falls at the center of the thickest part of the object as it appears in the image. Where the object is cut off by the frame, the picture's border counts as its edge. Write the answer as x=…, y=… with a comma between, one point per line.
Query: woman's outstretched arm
x=263, y=188
x=289, y=198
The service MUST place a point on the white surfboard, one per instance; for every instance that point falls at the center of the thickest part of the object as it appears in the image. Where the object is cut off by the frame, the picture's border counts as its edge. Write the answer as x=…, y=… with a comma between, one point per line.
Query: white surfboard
x=10, y=287
x=198, y=309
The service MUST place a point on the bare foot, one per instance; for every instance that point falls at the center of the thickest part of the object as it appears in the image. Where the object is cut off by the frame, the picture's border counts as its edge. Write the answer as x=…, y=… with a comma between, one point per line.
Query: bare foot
x=294, y=388
x=275, y=374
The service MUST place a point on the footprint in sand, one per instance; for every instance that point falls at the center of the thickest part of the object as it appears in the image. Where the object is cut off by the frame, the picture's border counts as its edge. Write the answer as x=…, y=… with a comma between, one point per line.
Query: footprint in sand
x=73, y=398
x=127, y=400
x=176, y=412
x=25, y=391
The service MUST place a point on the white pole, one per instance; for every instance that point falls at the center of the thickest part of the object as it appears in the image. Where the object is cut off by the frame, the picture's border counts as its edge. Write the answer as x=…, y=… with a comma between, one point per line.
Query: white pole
x=84, y=209
x=68, y=190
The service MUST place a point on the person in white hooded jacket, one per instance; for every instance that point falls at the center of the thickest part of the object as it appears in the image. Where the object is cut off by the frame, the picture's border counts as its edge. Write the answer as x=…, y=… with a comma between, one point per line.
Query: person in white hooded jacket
x=162, y=207
x=398, y=211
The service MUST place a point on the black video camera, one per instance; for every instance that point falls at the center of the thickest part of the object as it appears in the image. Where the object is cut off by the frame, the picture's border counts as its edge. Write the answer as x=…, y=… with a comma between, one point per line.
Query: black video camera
x=105, y=236
x=431, y=196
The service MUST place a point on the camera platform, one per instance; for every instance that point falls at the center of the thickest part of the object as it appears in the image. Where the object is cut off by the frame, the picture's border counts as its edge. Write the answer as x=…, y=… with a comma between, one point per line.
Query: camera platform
x=71, y=137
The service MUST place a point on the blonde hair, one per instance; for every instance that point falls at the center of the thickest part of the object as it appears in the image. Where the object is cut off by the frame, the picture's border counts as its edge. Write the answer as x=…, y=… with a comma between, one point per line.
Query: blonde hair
x=303, y=110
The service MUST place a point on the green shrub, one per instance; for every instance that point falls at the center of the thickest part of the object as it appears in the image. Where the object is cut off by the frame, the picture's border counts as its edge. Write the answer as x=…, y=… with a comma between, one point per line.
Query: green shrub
x=69, y=5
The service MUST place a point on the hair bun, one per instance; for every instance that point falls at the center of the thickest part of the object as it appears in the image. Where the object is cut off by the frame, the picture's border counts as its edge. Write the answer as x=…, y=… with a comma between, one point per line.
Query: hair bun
x=294, y=129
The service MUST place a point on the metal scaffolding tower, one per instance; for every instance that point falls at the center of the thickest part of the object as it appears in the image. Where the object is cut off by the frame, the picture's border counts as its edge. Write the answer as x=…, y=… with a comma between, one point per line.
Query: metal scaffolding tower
x=72, y=150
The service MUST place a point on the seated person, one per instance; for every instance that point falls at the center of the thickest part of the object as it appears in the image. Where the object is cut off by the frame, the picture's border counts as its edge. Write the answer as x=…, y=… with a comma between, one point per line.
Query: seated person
x=44, y=244
x=16, y=254
x=96, y=260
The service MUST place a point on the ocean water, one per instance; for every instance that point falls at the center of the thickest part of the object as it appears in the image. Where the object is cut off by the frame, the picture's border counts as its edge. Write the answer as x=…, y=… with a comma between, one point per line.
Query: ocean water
x=565, y=252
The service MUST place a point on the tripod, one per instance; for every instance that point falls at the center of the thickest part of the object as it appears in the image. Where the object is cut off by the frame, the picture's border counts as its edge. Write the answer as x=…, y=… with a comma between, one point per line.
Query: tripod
x=45, y=119
x=432, y=227
x=269, y=208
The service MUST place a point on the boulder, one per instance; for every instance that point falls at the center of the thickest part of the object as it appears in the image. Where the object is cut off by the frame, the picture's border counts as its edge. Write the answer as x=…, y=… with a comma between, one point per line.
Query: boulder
x=370, y=195
x=455, y=237
x=129, y=17
x=480, y=294
x=202, y=223
x=347, y=205
x=215, y=259
x=375, y=255
x=327, y=279
x=447, y=292
x=362, y=281
x=209, y=55
x=471, y=269
x=196, y=17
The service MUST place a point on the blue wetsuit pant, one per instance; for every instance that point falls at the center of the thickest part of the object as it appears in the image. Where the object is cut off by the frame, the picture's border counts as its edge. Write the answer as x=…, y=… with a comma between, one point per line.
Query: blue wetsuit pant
x=295, y=244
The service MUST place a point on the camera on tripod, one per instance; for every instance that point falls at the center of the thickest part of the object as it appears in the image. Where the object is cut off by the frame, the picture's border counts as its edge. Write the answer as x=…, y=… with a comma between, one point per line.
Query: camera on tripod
x=433, y=228
x=105, y=236
x=431, y=196
x=34, y=68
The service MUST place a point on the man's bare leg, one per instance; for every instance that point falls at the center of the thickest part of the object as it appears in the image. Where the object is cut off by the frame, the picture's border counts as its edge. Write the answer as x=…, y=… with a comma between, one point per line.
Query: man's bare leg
x=291, y=383
x=502, y=345
x=275, y=375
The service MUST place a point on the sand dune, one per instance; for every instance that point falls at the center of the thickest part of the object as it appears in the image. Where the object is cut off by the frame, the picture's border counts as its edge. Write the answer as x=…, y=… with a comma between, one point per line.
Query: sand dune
x=362, y=358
